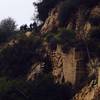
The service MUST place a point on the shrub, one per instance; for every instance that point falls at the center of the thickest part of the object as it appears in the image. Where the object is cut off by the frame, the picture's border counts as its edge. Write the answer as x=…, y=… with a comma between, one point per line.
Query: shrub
x=95, y=34
x=66, y=9
x=94, y=42
x=16, y=60
x=43, y=88
x=67, y=36
x=13, y=89
x=51, y=38
x=67, y=39
x=95, y=21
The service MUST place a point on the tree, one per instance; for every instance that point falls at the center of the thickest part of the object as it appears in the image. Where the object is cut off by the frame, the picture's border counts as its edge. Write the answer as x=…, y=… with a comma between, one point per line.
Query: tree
x=44, y=7
x=7, y=27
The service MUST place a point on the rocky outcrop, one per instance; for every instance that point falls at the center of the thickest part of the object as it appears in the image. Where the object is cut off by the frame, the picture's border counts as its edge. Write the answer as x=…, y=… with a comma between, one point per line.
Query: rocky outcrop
x=88, y=92
x=69, y=67
x=57, y=62
x=35, y=71
x=72, y=66
x=28, y=34
x=78, y=22
x=51, y=22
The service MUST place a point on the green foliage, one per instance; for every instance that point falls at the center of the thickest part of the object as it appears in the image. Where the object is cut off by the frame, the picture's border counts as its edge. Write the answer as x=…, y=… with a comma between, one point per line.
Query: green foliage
x=94, y=42
x=66, y=9
x=6, y=84
x=7, y=25
x=51, y=38
x=16, y=60
x=65, y=38
x=94, y=20
x=14, y=89
x=7, y=28
x=43, y=88
x=95, y=34
x=67, y=35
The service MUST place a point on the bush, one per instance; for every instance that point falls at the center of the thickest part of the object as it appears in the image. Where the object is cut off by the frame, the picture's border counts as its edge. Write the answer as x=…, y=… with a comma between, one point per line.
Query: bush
x=51, y=38
x=16, y=60
x=94, y=42
x=66, y=36
x=95, y=21
x=95, y=34
x=67, y=39
x=66, y=9
x=13, y=89
x=43, y=88
x=7, y=25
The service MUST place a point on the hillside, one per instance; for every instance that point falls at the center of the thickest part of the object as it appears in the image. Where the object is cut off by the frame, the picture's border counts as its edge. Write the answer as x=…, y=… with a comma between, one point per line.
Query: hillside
x=58, y=59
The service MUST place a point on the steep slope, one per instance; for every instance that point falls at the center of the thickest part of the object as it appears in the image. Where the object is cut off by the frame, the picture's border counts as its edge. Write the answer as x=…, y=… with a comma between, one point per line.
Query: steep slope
x=72, y=66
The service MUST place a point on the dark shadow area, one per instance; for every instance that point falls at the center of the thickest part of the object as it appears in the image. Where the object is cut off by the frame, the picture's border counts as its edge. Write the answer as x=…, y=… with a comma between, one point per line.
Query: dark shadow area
x=43, y=88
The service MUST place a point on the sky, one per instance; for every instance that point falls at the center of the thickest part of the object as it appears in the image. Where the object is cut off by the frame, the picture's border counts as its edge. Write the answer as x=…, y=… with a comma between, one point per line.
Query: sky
x=20, y=10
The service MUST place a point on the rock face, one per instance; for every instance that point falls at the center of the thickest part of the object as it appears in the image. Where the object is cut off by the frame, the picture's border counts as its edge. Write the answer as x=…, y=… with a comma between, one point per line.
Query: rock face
x=91, y=90
x=68, y=65
x=35, y=71
x=57, y=72
x=72, y=66
x=87, y=93
x=52, y=21
x=78, y=22
x=28, y=34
